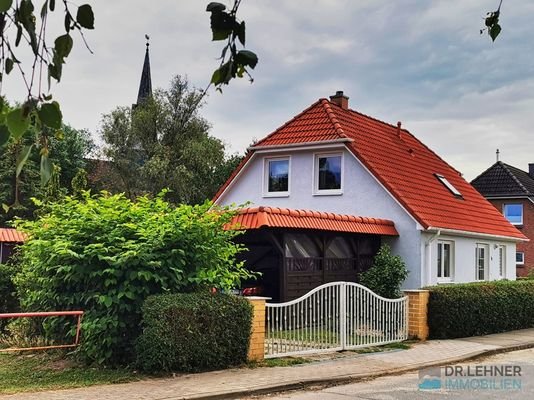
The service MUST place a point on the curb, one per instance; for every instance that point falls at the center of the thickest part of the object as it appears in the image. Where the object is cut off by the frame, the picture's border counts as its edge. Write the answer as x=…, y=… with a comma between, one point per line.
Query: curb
x=346, y=379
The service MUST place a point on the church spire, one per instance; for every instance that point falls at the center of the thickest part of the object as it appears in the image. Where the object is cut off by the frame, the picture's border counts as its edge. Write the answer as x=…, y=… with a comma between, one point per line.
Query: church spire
x=145, y=86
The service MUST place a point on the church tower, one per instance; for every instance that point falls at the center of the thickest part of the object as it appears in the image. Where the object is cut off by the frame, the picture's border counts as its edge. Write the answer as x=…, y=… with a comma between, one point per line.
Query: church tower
x=145, y=86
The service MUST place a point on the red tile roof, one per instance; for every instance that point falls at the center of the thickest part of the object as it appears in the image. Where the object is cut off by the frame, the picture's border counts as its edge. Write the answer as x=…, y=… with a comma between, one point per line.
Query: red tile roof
x=9, y=235
x=403, y=164
x=259, y=217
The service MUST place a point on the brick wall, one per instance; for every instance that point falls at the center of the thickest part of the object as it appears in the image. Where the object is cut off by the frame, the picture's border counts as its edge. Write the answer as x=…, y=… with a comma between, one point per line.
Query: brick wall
x=418, y=313
x=527, y=229
x=256, y=349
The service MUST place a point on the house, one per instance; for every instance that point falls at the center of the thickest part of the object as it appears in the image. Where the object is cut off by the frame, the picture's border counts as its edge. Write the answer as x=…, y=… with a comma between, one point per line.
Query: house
x=332, y=184
x=9, y=238
x=511, y=191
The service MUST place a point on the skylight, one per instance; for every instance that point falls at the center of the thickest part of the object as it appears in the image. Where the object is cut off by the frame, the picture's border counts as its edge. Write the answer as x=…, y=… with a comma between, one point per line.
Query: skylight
x=448, y=185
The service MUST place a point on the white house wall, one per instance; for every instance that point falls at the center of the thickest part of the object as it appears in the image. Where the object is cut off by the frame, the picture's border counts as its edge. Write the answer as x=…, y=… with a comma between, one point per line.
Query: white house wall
x=464, y=258
x=362, y=196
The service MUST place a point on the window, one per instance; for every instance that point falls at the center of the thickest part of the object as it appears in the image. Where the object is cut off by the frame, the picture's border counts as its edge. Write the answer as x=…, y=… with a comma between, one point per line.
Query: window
x=300, y=245
x=501, y=254
x=448, y=185
x=445, y=260
x=481, y=259
x=276, y=177
x=328, y=179
x=520, y=258
x=513, y=213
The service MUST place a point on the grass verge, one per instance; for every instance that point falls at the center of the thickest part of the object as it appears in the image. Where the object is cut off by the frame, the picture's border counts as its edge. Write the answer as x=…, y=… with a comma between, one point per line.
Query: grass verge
x=277, y=362
x=48, y=371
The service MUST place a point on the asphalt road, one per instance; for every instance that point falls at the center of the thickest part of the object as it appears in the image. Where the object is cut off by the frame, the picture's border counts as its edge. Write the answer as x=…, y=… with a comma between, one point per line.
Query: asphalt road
x=406, y=386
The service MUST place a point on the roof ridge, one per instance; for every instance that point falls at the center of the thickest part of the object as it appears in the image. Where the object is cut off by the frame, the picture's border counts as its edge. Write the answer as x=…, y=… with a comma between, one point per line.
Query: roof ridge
x=332, y=117
x=288, y=122
x=523, y=188
x=307, y=213
x=487, y=169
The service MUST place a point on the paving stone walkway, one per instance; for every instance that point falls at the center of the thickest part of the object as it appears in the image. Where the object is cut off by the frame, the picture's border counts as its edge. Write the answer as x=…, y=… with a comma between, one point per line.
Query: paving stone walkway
x=235, y=383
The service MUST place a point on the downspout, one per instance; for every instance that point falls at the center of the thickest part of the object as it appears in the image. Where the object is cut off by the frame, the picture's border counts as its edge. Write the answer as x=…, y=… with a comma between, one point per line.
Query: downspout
x=428, y=257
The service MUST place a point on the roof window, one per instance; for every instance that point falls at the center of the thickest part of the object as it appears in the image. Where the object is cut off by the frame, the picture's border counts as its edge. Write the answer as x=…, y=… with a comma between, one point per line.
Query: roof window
x=448, y=185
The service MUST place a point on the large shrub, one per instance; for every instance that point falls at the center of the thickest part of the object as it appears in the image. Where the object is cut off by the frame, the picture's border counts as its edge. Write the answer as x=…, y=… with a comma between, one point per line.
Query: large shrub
x=8, y=298
x=194, y=332
x=473, y=309
x=386, y=275
x=106, y=254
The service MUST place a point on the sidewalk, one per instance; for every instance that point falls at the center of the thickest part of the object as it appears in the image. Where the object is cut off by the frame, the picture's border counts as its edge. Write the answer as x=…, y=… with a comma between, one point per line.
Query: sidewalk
x=236, y=383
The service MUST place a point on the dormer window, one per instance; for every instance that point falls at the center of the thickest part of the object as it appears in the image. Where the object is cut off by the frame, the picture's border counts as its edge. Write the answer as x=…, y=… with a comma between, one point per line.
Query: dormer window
x=449, y=186
x=276, y=181
x=328, y=173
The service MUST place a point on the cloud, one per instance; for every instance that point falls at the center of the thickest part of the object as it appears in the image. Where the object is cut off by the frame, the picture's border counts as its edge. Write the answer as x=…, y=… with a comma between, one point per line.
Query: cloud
x=421, y=62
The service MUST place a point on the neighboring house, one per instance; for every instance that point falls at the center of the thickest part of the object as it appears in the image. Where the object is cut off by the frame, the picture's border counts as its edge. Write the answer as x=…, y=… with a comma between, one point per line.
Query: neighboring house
x=361, y=182
x=511, y=191
x=9, y=238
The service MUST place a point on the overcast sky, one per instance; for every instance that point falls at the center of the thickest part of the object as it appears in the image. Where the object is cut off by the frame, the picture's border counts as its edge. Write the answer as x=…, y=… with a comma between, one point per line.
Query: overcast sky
x=421, y=62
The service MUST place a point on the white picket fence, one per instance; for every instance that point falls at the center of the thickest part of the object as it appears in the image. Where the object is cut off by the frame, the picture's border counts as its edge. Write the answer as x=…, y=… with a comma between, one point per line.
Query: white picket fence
x=332, y=317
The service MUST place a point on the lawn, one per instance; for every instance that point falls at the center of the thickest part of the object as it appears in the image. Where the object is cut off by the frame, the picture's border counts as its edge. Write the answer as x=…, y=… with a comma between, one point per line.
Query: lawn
x=36, y=372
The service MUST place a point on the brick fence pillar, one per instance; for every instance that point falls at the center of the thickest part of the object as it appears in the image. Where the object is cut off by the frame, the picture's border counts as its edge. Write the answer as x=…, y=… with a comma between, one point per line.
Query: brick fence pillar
x=256, y=350
x=417, y=313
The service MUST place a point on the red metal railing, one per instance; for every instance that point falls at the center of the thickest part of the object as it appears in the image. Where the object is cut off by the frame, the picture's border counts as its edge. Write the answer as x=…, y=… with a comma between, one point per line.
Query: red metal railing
x=77, y=314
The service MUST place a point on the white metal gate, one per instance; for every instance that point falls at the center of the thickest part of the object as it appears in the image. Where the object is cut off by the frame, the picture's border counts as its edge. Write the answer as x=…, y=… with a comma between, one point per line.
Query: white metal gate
x=334, y=316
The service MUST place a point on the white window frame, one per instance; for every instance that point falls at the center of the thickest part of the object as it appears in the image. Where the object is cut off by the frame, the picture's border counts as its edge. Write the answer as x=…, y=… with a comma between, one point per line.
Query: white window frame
x=486, y=247
x=501, y=259
x=441, y=267
x=513, y=204
x=522, y=262
x=265, y=182
x=315, y=175
x=445, y=182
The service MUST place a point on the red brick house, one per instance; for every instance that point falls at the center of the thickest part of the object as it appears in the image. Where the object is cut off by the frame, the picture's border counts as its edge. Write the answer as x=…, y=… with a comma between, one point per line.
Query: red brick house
x=511, y=191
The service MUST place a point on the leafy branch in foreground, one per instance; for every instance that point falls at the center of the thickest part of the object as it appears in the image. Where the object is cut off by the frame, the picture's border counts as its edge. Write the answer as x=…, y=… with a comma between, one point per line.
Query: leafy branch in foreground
x=38, y=117
x=492, y=23
x=234, y=63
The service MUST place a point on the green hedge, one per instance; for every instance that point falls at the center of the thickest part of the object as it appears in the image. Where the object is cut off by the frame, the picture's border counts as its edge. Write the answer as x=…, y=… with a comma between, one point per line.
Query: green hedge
x=475, y=309
x=194, y=332
x=8, y=299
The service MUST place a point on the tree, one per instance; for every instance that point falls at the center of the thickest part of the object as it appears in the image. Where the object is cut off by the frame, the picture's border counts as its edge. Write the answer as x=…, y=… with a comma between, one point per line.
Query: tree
x=67, y=153
x=164, y=143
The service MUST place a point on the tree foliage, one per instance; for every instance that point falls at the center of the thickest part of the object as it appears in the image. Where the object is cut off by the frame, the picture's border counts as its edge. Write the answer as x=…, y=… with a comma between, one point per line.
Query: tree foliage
x=68, y=155
x=164, y=143
x=226, y=26
x=21, y=22
x=491, y=23
x=105, y=254
x=386, y=275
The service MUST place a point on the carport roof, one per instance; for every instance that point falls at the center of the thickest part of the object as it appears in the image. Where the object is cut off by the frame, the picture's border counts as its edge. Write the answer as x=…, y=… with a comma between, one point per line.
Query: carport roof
x=9, y=235
x=274, y=217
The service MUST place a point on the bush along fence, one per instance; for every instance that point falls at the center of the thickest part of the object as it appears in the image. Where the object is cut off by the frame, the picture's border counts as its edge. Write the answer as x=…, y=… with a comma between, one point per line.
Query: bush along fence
x=475, y=309
x=194, y=332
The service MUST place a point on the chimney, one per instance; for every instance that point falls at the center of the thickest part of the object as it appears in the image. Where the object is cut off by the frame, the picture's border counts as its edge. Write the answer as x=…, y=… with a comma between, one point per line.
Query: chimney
x=531, y=170
x=340, y=99
x=399, y=132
